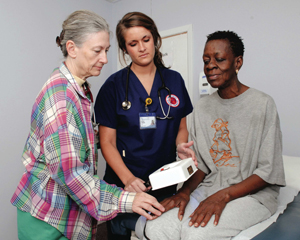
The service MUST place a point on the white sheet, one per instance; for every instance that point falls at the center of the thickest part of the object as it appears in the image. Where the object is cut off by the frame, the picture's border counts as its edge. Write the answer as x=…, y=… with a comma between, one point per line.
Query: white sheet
x=286, y=195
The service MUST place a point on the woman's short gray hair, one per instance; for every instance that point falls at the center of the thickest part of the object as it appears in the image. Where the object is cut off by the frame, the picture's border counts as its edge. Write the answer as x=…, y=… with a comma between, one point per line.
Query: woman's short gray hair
x=78, y=26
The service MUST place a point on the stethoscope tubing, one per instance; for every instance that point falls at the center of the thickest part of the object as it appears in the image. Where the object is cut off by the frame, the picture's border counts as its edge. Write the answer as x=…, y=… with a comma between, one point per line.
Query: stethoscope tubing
x=127, y=104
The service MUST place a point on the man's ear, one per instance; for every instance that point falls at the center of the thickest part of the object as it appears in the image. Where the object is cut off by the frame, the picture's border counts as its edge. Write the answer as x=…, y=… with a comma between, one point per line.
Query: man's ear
x=71, y=49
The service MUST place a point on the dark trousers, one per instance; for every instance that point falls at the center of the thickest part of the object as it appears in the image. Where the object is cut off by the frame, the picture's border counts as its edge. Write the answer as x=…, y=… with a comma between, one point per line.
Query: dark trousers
x=120, y=227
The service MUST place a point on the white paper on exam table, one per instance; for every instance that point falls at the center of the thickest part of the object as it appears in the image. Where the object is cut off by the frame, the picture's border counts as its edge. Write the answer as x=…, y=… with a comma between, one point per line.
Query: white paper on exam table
x=172, y=173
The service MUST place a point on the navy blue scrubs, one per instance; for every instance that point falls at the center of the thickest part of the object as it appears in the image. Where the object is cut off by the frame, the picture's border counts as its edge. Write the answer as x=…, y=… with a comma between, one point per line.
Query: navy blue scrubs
x=146, y=150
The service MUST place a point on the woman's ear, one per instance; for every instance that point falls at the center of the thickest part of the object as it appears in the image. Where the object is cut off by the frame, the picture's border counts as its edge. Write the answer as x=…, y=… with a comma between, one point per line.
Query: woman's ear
x=71, y=49
x=238, y=62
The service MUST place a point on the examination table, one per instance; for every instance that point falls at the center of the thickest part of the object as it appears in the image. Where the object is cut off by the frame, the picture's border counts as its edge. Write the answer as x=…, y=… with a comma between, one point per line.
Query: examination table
x=287, y=226
x=285, y=223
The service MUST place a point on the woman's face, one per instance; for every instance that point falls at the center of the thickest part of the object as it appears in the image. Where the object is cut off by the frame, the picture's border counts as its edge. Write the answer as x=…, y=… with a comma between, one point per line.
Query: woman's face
x=92, y=55
x=139, y=45
x=219, y=63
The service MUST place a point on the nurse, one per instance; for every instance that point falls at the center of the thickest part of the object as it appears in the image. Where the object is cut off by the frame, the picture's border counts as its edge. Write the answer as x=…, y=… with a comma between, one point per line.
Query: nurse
x=139, y=130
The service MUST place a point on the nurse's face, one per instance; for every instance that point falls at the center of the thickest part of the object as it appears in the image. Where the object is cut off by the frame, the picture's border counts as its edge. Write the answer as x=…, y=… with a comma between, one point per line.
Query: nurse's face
x=139, y=45
x=92, y=55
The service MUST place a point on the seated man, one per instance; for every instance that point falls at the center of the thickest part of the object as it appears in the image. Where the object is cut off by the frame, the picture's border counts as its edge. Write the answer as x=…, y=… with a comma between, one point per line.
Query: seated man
x=238, y=144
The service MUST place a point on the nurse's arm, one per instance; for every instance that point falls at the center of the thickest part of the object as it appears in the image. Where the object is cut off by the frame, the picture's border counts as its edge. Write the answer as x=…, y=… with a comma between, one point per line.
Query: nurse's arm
x=108, y=141
x=183, y=147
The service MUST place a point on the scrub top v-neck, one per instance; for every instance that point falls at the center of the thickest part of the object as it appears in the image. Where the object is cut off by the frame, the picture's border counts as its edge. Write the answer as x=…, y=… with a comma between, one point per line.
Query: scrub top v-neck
x=143, y=150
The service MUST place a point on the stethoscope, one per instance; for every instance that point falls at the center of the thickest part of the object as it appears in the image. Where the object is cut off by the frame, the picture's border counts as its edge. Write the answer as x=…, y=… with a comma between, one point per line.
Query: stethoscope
x=126, y=104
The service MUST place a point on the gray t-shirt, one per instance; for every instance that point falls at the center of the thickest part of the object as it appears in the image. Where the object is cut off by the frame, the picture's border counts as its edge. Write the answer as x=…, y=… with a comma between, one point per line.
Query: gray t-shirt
x=235, y=138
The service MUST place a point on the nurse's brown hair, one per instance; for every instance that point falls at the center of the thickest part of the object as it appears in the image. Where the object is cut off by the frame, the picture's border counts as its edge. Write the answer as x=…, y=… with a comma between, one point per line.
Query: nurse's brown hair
x=138, y=19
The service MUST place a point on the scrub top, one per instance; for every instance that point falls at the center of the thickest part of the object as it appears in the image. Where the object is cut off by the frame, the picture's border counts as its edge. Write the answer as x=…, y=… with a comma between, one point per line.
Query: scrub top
x=143, y=150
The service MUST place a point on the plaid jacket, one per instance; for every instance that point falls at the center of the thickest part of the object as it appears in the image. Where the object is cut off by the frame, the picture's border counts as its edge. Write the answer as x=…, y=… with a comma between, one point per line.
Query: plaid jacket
x=60, y=185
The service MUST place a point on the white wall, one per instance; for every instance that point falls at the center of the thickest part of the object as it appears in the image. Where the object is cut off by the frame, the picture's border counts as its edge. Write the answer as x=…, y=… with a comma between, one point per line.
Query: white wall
x=29, y=53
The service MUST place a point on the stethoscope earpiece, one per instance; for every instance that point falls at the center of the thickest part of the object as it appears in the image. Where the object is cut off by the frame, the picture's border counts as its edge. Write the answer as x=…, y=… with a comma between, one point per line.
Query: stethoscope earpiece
x=126, y=105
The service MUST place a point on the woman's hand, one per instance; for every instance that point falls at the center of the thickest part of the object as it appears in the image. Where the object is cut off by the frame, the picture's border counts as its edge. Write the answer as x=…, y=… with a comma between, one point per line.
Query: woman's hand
x=135, y=184
x=184, y=151
x=182, y=197
x=213, y=205
x=179, y=200
x=144, y=201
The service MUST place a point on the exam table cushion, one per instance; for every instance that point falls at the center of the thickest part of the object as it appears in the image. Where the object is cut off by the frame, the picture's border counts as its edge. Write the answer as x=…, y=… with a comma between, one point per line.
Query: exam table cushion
x=287, y=226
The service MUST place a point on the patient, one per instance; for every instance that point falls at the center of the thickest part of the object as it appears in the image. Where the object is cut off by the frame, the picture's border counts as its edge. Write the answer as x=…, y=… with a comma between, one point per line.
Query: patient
x=238, y=145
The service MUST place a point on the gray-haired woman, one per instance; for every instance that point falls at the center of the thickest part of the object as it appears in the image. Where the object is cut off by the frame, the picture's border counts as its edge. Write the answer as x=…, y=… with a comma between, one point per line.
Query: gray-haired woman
x=59, y=195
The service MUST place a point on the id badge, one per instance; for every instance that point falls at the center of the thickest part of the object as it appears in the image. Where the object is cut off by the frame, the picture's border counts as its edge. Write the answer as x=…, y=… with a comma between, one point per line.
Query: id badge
x=147, y=120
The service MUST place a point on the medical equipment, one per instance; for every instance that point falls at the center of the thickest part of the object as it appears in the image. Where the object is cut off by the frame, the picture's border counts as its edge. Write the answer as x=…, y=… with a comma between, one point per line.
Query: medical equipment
x=172, y=173
x=204, y=87
x=126, y=104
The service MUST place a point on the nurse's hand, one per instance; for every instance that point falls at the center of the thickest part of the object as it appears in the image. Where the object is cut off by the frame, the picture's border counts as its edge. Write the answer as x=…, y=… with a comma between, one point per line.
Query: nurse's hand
x=144, y=201
x=184, y=151
x=136, y=185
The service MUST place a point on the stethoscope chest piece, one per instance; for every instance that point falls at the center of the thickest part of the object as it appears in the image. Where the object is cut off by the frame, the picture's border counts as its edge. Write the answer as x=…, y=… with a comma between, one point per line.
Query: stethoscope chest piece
x=126, y=105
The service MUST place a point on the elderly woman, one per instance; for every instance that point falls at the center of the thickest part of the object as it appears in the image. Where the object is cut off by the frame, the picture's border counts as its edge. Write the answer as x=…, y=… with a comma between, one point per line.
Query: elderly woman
x=59, y=195
x=238, y=146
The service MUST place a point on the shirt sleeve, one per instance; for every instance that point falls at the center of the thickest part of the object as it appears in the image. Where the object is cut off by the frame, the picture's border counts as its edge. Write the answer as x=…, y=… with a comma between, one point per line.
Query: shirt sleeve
x=177, y=86
x=105, y=106
x=197, y=147
x=187, y=100
x=270, y=162
x=66, y=155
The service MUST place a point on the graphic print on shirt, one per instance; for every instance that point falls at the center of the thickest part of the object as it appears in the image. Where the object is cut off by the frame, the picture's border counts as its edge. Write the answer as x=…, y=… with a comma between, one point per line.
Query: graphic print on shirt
x=221, y=149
